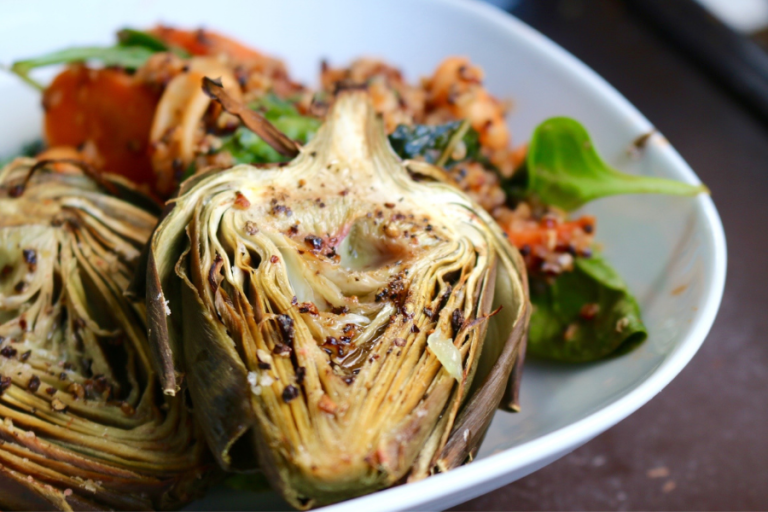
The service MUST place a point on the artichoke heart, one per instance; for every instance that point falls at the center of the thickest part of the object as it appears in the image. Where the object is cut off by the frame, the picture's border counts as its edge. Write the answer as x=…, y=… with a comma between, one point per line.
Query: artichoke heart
x=81, y=424
x=336, y=319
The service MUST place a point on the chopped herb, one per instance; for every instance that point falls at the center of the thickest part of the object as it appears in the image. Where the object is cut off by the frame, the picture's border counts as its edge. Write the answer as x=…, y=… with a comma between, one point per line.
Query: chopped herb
x=432, y=143
x=248, y=148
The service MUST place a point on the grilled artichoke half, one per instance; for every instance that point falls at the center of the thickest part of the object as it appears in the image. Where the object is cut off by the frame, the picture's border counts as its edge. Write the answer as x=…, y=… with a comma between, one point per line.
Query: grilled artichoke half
x=82, y=423
x=332, y=315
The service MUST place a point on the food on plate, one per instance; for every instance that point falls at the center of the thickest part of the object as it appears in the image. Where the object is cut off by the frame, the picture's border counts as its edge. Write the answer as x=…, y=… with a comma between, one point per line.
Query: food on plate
x=84, y=426
x=346, y=279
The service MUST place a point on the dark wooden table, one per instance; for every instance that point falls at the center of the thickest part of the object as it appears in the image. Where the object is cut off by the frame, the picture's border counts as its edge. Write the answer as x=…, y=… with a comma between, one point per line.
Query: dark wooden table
x=702, y=443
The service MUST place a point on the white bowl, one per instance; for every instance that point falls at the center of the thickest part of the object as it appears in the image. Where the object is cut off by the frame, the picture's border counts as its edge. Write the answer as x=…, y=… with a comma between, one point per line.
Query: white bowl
x=670, y=250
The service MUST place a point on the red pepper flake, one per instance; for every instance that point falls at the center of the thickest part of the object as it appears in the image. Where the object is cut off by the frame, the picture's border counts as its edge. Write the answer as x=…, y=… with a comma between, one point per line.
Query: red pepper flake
x=25, y=355
x=327, y=405
x=34, y=384
x=308, y=307
x=344, y=192
x=241, y=202
x=389, y=205
x=302, y=183
x=399, y=342
x=290, y=392
x=274, y=259
x=51, y=390
x=343, y=310
x=589, y=311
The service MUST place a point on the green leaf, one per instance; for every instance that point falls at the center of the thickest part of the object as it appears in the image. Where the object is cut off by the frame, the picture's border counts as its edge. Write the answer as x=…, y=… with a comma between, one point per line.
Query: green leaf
x=560, y=331
x=128, y=57
x=248, y=148
x=435, y=143
x=133, y=37
x=564, y=170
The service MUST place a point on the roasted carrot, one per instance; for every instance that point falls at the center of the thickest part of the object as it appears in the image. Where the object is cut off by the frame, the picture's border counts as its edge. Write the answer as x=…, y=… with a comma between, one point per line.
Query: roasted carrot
x=107, y=109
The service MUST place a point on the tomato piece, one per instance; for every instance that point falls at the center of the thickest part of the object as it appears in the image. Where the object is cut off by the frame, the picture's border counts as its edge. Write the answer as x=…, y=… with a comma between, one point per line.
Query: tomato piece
x=106, y=108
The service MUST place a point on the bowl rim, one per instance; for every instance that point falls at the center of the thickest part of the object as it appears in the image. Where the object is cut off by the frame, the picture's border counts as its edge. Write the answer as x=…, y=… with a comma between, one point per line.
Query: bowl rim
x=495, y=470
x=495, y=467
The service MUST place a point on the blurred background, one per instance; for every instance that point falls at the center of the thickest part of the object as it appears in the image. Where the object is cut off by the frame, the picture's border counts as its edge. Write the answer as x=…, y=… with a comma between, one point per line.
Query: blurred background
x=699, y=72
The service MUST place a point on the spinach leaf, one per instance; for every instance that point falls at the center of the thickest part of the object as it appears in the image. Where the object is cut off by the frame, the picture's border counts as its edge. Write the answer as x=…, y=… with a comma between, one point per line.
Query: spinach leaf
x=585, y=315
x=248, y=148
x=435, y=143
x=128, y=57
x=564, y=170
x=133, y=37
x=132, y=51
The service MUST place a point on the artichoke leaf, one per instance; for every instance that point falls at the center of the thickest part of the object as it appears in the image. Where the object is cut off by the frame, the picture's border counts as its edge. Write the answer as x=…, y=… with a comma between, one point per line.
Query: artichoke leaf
x=314, y=290
x=80, y=419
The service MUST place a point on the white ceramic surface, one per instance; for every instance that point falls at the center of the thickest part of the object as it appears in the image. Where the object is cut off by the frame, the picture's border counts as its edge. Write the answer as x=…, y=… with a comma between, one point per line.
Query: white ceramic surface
x=670, y=250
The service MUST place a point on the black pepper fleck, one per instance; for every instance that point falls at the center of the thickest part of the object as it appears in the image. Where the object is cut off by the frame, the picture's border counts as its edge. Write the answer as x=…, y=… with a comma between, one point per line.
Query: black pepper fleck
x=290, y=392
x=34, y=383
x=8, y=351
